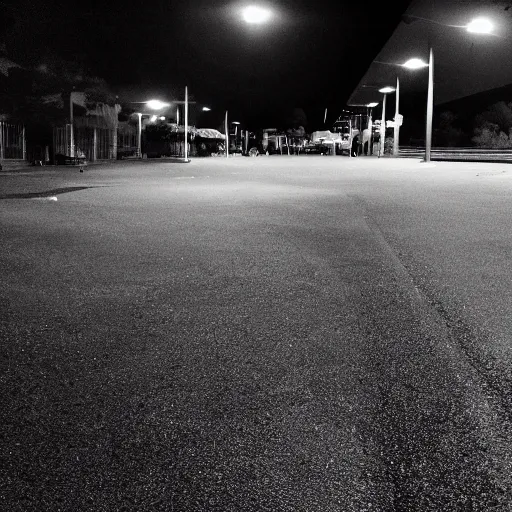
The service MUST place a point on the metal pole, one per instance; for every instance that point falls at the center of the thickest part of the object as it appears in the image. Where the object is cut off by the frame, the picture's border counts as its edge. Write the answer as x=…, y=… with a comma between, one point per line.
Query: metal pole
x=370, y=135
x=24, y=143
x=94, y=144
x=227, y=134
x=139, y=136
x=71, y=130
x=430, y=106
x=383, y=127
x=186, y=124
x=397, y=127
x=2, y=145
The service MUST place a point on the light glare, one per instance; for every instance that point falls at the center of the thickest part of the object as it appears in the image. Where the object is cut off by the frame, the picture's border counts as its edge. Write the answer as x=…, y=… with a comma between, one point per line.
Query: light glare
x=386, y=90
x=480, y=26
x=255, y=14
x=206, y=109
x=156, y=104
x=415, y=64
x=373, y=104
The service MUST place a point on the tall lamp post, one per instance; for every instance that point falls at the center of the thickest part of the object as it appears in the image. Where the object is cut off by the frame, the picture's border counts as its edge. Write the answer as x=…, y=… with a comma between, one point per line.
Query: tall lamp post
x=477, y=26
x=370, y=107
x=226, y=131
x=139, y=135
x=157, y=104
x=397, y=122
x=385, y=91
x=186, y=125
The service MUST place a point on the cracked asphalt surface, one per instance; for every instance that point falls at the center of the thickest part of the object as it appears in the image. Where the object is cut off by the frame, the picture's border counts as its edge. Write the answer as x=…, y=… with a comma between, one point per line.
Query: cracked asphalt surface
x=259, y=334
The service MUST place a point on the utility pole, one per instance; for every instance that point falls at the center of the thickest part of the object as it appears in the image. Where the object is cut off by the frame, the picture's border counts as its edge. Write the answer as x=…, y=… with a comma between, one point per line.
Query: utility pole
x=227, y=134
x=139, y=135
x=71, y=130
x=430, y=106
x=186, y=124
x=397, y=124
x=383, y=127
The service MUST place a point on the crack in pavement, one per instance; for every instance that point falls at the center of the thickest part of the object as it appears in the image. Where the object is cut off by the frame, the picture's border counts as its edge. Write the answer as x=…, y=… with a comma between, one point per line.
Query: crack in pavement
x=458, y=330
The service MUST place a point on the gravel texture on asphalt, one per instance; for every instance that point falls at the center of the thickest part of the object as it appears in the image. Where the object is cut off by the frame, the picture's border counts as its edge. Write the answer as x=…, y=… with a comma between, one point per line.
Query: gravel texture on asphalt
x=271, y=334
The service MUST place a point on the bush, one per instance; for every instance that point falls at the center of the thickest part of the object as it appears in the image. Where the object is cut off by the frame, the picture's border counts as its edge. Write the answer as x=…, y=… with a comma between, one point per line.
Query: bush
x=490, y=136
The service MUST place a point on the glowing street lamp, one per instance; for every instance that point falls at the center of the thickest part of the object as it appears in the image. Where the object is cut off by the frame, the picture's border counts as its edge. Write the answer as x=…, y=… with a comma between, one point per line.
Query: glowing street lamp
x=480, y=26
x=157, y=104
x=476, y=26
x=385, y=91
x=415, y=64
x=206, y=109
x=256, y=15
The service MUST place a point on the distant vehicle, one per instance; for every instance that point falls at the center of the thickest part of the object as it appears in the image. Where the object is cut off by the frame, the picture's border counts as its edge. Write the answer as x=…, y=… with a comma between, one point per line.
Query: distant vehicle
x=345, y=126
x=317, y=148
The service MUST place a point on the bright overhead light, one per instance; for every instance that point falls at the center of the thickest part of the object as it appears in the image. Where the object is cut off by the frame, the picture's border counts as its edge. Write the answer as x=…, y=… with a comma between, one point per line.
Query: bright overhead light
x=373, y=104
x=156, y=104
x=153, y=119
x=235, y=122
x=386, y=90
x=255, y=14
x=206, y=109
x=415, y=64
x=480, y=26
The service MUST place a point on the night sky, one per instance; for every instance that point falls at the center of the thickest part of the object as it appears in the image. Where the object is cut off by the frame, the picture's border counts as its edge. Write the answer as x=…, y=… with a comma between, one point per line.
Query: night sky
x=311, y=55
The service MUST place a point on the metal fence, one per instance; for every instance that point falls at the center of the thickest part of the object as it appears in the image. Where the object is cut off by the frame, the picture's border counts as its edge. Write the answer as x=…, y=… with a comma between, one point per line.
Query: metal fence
x=61, y=140
x=12, y=141
x=127, y=137
x=105, y=149
x=84, y=142
x=459, y=154
x=91, y=143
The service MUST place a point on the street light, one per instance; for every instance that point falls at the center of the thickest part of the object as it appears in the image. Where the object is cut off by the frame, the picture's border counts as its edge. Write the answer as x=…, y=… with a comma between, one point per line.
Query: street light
x=480, y=26
x=476, y=26
x=256, y=15
x=157, y=104
x=415, y=64
x=385, y=91
x=206, y=109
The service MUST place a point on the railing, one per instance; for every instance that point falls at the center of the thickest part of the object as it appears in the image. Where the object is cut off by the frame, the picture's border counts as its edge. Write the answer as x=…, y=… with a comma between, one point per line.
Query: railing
x=12, y=141
x=127, y=146
x=458, y=154
x=90, y=143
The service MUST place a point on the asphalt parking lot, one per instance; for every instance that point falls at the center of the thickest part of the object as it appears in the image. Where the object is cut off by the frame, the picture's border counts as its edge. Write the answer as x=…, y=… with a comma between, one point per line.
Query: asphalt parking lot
x=272, y=333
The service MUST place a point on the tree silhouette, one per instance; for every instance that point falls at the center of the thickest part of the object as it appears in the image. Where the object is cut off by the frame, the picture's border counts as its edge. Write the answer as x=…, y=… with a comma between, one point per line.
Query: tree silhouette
x=493, y=128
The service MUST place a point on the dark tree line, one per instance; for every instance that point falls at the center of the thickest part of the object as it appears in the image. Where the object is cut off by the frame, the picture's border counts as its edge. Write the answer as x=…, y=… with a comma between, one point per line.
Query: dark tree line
x=492, y=128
